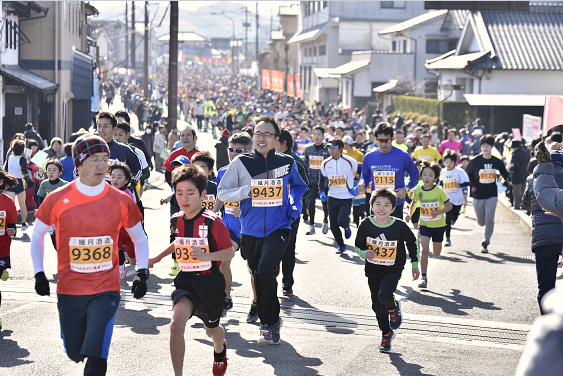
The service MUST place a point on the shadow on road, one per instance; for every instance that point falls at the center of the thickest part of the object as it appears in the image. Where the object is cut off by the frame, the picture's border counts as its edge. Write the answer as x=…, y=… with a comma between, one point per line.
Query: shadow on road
x=454, y=304
x=154, y=283
x=140, y=322
x=12, y=353
x=283, y=358
x=405, y=368
x=502, y=258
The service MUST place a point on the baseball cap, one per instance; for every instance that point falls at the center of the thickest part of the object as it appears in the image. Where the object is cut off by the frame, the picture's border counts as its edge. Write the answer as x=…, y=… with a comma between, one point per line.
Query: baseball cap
x=348, y=140
x=182, y=159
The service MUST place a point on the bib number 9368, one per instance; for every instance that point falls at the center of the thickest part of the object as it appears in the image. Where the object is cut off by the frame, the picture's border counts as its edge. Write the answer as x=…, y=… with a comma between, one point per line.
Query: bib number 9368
x=91, y=254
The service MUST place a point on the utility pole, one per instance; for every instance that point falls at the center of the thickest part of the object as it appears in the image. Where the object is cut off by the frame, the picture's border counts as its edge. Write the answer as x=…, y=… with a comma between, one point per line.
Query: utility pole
x=173, y=67
x=133, y=43
x=126, y=38
x=246, y=26
x=146, y=54
x=257, y=31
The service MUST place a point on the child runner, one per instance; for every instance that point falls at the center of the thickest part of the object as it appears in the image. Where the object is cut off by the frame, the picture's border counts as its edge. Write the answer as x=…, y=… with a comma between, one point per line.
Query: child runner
x=434, y=203
x=381, y=242
x=120, y=179
x=454, y=180
x=54, y=170
x=202, y=242
x=8, y=219
x=464, y=160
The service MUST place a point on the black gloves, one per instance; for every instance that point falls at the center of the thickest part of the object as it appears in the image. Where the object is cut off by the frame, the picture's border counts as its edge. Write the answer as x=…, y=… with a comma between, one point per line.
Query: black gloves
x=139, y=288
x=542, y=154
x=42, y=284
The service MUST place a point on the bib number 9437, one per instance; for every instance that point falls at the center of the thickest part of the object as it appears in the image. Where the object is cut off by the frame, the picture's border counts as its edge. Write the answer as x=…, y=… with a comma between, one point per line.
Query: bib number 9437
x=267, y=192
x=385, y=251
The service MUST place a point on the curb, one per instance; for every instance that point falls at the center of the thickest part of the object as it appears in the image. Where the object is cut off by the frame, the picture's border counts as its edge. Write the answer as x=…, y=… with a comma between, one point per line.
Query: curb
x=518, y=216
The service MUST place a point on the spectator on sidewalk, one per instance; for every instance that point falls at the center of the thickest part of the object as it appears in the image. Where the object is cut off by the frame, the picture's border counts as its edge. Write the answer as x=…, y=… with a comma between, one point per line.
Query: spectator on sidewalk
x=520, y=157
x=31, y=134
x=475, y=147
x=159, y=146
x=222, y=150
x=173, y=137
x=55, y=150
x=148, y=139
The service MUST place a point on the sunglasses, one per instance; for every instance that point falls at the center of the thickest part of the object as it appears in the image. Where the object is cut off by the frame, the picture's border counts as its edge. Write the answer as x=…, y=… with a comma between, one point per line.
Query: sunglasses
x=238, y=151
x=384, y=140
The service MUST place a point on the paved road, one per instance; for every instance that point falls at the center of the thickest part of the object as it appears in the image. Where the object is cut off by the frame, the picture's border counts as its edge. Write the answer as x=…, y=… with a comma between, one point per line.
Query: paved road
x=473, y=319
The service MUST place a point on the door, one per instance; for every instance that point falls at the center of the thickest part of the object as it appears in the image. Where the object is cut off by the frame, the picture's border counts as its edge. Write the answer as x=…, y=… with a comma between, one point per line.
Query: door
x=15, y=117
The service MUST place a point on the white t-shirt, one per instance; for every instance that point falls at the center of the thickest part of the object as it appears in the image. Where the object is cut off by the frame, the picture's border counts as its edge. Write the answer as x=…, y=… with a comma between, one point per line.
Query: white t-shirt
x=339, y=174
x=449, y=178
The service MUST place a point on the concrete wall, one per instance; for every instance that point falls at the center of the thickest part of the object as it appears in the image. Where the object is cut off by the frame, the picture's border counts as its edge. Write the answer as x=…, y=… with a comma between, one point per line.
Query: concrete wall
x=373, y=10
x=362, y=83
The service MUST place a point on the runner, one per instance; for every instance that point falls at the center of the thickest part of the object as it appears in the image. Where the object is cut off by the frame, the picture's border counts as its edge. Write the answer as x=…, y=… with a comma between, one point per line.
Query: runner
x=8, y=220
x=454, y=180
x=239, y=143
x=188, y=138
x=482, y=172
x=339, y=169
x=313, y=156
x=434, y=203
x=87, y=215
x=358, y=203
x=427, y=152
x=16, y=166
x=381, y=242
x=285, y=145
x=53, y=170
x=201, y=243
x=268, y=186
x=205, y=161
x=387, y=167
x=303, y=141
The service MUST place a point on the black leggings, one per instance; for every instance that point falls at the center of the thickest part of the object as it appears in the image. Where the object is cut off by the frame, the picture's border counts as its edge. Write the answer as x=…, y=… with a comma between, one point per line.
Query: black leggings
x=311, y=205
x=95, y=366
x=451, y=218
x=382, y=289
x=339, y=215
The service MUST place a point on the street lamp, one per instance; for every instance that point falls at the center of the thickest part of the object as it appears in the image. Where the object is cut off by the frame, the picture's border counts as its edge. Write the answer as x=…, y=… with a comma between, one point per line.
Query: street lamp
x=232, y=38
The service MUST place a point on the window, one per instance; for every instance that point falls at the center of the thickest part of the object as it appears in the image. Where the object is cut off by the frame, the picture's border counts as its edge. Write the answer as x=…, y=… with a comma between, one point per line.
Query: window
x=310, y=51
x=440, y=46
x=309, y=84
x=322, y=50
x=394, y=47
x=404, y=46
x=315, y=51
x=325, y=4
x=305, y=52
x=393, y=4
x=311, y=7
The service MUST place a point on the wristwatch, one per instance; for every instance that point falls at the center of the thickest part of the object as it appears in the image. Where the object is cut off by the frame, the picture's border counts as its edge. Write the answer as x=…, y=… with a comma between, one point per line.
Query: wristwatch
x=144, y=271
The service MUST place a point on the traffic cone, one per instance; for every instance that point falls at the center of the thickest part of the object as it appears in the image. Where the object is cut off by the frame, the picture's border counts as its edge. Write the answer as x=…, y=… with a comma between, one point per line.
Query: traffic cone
x=214, y=133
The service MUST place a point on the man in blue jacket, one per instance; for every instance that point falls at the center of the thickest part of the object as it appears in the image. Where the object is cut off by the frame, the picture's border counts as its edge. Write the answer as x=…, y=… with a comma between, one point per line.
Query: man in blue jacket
x=269, y=188
x=386, y=168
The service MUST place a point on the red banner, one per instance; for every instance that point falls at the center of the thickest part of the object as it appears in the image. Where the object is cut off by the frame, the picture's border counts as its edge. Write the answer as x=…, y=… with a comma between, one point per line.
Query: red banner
x=552, y=113
x=290, y=92
x=277, y=81
x=298, y=86
x=266, y=82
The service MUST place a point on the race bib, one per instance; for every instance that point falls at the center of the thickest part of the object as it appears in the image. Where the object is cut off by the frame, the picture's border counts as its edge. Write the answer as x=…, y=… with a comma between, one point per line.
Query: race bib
x=230, y=207
x=385, y=251
x=487, y=176
x=267, y=192
x=2, y=222
x=424, y=157
x=209, y=202
x=183, y=248
x=315, y=162
x=384, y=179
x=337, y=181
x=426, y=210
x=301, y=148
x=449, y=185
x=91, y=254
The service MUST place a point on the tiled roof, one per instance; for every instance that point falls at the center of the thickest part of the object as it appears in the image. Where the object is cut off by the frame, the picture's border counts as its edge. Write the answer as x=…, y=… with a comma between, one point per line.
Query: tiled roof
x=459, y=16
x=292, y=10
x=525, y=40
x=413, y=22
x=277, y=35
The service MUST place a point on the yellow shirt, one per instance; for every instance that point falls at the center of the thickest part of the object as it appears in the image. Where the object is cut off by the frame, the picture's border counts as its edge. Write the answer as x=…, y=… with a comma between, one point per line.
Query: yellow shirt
x=430, y=154
x=355, y=153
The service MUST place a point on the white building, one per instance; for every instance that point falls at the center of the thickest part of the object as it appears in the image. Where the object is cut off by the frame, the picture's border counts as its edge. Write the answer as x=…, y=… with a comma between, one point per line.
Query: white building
x=330, y=31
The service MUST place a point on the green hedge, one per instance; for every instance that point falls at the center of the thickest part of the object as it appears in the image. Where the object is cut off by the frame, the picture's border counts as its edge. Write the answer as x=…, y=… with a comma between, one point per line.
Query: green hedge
x=459, y=113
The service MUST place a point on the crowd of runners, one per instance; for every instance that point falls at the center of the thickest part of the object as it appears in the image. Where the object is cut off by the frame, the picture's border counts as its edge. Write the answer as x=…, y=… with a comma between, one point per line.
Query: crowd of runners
x=277, y=162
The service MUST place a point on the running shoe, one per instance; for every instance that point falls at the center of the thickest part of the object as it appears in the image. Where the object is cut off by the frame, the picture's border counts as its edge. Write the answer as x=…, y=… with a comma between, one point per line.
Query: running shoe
x=311, y=230
x=25, y=226
x=253, y=313
x=423, y=282
x=5, y=275
x=287, y=292
x=386, y=342
x=348, y=232
x=448, y=243
x=175, y=269
x=341, y=249
x=325, y=227
x=306, y=221
x=228, y=306
x=122, y=271
x=270, y=334
x=396, y=317
x=220, y=361
x=484, y=247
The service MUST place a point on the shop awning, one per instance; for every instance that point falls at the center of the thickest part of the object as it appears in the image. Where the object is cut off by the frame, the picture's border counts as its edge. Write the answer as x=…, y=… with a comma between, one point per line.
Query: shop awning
x=392, y=84
x=307, y=35
x=28, y=78
x=349, y=67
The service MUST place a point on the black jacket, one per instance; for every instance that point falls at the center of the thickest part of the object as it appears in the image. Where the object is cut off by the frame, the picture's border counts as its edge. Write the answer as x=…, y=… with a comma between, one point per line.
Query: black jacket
x=31, y=134
x=302, y=171
x=222, y=153
x=519, y=165
x=546, y=229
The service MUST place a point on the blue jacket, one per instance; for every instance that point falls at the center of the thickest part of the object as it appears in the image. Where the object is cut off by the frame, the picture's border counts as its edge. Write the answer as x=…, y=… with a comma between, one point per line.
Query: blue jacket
x=232, y=222
x=395, y=160
x=546, y=229
x=68, y=168
x=236, y=186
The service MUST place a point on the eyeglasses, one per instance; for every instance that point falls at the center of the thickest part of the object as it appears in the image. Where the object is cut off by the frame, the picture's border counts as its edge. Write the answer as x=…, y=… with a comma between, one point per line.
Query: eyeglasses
x=263, y=135
x=384, y=140
x=238, y=151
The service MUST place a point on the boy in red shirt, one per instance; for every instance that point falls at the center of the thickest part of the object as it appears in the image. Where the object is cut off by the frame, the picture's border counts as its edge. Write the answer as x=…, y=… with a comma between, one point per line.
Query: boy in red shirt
x=202, y=241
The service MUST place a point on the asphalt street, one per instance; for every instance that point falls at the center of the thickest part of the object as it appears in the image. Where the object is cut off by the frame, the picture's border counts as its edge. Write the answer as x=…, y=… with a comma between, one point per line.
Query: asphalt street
x=472, y=320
